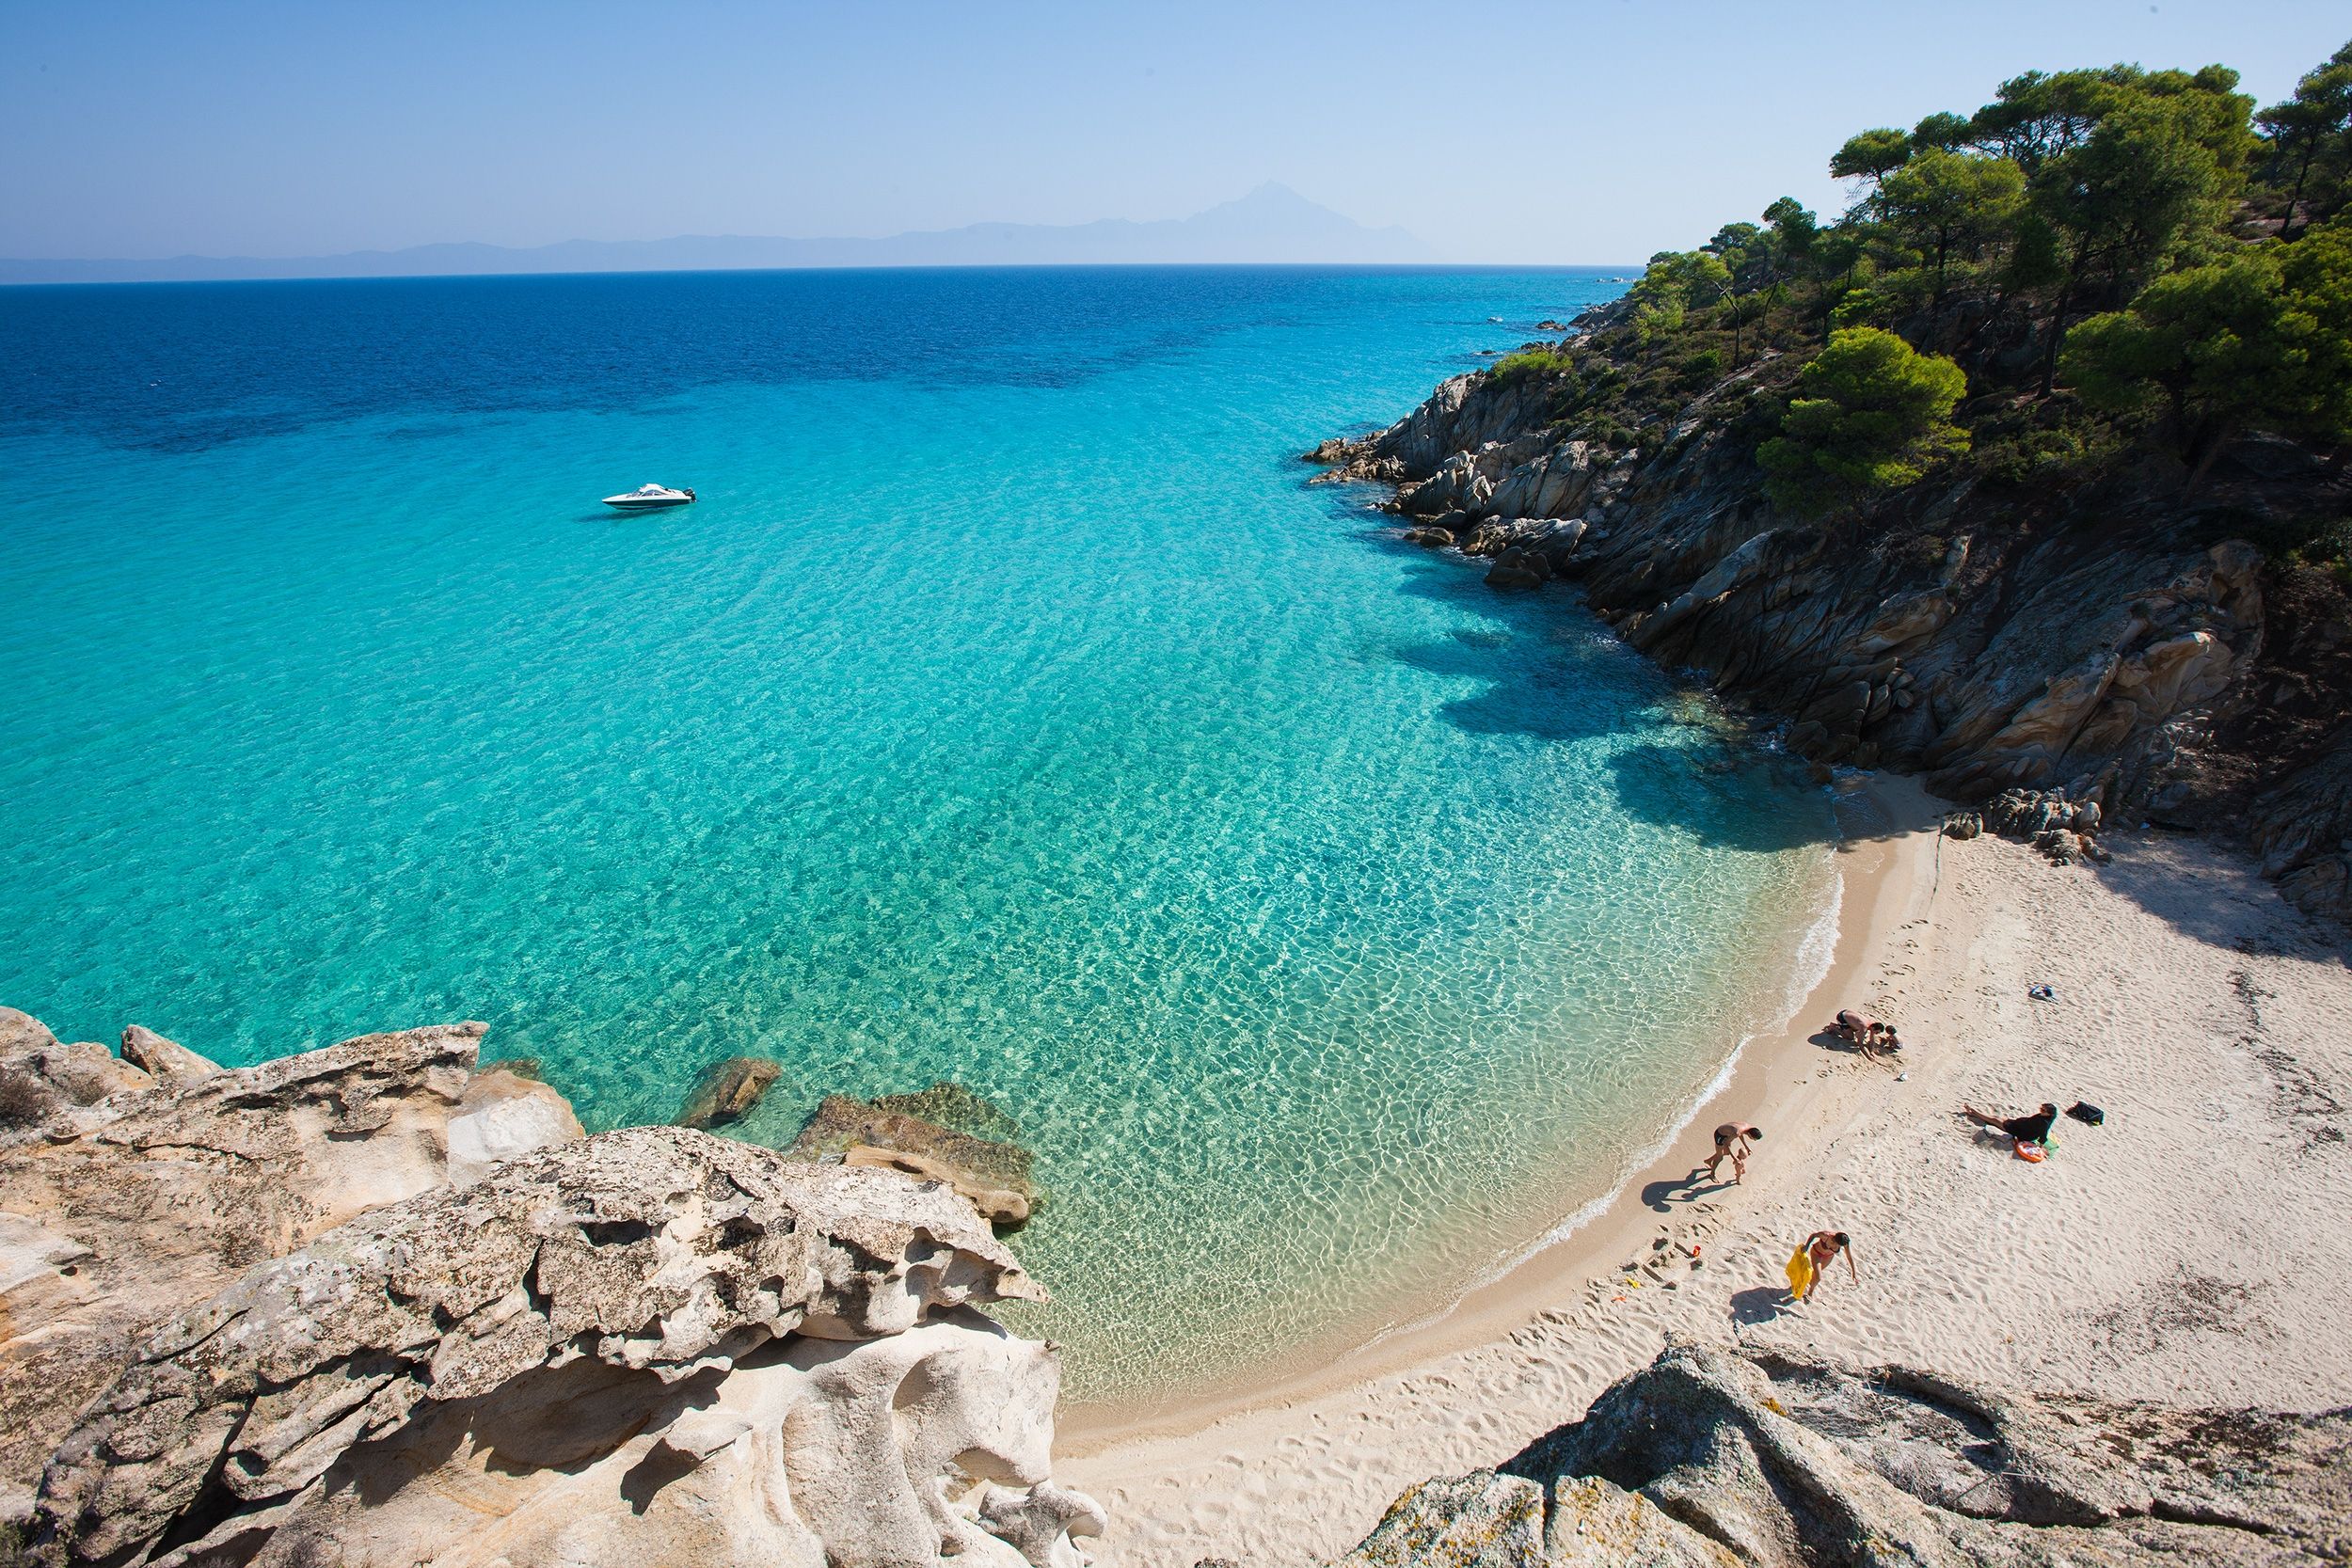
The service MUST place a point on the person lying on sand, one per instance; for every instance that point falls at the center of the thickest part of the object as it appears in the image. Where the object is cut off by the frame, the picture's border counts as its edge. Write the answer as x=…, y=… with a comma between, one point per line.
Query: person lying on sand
x=2025, y=1130
x=1731, y=1143
x=1814, y=1256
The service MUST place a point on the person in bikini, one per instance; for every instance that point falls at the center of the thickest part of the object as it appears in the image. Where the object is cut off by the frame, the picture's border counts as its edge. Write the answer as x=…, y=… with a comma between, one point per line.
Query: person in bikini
x=1731, y=1143
x=1823, y=1247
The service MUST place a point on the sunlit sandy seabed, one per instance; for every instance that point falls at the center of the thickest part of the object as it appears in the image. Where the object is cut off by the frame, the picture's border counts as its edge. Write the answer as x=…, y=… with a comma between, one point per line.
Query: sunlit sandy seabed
x=1008, y=711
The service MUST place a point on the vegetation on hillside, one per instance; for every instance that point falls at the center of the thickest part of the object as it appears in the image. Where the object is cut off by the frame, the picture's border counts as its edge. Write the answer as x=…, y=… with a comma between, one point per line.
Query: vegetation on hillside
x=2097, y=264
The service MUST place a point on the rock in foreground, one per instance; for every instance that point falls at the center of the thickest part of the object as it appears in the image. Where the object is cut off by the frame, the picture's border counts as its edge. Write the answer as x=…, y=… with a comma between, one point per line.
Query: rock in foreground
x=651, y=1346
x=1707, y=1459
x=130, y=1192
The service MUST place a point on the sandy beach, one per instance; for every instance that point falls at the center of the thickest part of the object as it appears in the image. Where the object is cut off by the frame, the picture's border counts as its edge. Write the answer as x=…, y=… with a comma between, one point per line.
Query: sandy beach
x=2190, y=1250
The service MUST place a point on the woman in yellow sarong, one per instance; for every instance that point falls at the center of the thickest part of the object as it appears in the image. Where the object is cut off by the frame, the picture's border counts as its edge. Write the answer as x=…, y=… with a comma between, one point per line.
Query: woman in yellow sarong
x=1814, y=1254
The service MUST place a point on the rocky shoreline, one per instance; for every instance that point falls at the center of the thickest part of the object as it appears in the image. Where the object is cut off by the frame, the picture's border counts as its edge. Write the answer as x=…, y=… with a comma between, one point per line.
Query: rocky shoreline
x=376, y=1304
x=2107, y=643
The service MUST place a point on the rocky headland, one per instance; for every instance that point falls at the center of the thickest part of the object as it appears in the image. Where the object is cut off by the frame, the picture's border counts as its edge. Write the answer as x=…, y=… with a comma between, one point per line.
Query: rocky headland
x=2105, y=638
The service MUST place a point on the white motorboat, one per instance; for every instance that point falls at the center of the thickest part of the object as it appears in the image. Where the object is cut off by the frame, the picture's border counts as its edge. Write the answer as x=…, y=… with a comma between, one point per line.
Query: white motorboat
x=646, y=496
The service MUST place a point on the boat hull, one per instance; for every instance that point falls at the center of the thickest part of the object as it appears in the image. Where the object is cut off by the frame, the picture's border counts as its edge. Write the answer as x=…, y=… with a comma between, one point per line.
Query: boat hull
x=629, y=503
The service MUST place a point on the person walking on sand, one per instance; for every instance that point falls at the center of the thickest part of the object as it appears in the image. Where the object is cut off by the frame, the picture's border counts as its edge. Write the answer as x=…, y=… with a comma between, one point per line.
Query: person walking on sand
x=1731, y=1143
x=1815, y=1254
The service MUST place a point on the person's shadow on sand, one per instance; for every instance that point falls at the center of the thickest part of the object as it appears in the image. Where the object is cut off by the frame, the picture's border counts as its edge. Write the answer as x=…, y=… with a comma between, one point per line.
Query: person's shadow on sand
x=1759, y=1303
x=1828, y=1039
x=1663, y=1195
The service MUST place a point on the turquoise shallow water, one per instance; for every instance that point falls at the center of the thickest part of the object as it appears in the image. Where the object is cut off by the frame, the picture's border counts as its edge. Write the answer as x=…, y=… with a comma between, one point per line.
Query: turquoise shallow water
x=1008, y=711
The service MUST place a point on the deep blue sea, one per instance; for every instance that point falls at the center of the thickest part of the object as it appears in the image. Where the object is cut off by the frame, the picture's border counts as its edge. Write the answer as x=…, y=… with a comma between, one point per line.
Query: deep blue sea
x=1008, y=711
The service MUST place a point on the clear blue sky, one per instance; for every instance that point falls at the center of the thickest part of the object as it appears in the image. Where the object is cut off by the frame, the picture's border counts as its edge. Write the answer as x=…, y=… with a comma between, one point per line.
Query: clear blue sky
x=1580, y=130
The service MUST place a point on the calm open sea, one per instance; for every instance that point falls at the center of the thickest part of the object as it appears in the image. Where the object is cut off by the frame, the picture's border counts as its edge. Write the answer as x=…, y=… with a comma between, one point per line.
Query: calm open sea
x=1008, y=711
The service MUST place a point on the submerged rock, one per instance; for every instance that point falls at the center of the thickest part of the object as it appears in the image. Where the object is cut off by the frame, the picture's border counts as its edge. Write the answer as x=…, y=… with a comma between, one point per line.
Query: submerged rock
x=728, y=1091
x=951, y=1104
x=994, y=1176
x=1517, y=568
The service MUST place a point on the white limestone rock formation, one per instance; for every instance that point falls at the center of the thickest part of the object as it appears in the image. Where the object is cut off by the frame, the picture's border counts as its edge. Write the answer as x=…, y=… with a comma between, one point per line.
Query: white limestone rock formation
x=169, y=1063
x=155, y=1186
x=652, y=1346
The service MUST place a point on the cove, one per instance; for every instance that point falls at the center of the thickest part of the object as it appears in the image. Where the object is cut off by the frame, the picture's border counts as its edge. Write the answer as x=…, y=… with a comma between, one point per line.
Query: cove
x=1008, y=711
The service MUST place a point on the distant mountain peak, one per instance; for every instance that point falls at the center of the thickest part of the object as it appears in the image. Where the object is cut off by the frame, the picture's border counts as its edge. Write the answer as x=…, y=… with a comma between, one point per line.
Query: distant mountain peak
x=1272, y=223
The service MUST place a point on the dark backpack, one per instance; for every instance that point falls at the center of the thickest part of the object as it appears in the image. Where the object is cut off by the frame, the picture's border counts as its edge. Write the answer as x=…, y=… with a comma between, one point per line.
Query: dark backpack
x=2088, y=1113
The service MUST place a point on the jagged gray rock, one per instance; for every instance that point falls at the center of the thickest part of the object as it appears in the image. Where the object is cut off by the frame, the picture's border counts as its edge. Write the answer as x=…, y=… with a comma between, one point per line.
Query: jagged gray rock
x=1710, y=1457
x=1964, y=638
x=121, y=1212
x=655, y=1345
x=1481, y=1520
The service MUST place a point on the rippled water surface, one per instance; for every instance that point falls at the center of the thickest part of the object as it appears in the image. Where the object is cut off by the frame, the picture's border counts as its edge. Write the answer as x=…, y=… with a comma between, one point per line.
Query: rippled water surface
x=1008, y=711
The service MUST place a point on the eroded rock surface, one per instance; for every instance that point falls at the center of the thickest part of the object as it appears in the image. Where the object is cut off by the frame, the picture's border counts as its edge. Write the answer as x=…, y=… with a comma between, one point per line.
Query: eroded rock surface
x=651, y=1346
x=118, y=1212
x=1707, y=1459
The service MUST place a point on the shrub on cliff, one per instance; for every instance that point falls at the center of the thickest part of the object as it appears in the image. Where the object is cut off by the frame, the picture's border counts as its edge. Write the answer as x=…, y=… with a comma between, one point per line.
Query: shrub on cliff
x=2127, y=203
x=1871, y=413
x=1533, y=361
x=2260, y=340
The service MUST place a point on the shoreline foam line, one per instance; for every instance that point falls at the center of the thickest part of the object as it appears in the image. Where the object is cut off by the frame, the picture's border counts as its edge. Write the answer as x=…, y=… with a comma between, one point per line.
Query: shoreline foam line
x=1872, y=894
x=1816, y=956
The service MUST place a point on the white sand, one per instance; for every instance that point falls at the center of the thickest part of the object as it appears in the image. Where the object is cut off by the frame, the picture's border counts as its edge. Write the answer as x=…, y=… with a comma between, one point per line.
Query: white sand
x=2197, y=1249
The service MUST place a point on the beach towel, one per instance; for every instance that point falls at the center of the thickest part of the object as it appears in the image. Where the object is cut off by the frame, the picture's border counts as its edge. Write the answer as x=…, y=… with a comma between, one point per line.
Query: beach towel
x=1799, y=1271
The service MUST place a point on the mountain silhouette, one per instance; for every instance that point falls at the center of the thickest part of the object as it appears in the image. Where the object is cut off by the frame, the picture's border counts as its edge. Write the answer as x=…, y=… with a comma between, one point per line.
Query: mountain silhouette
x=1272, y=224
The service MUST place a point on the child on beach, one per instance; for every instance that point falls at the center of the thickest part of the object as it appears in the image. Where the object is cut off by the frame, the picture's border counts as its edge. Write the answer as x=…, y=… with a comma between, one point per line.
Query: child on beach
x=1866, y=1035
x=1731, y=1143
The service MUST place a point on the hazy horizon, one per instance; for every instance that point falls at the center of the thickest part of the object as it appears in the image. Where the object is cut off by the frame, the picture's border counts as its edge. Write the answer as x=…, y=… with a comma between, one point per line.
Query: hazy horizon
x=1271, y=225
x=1589, y=133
